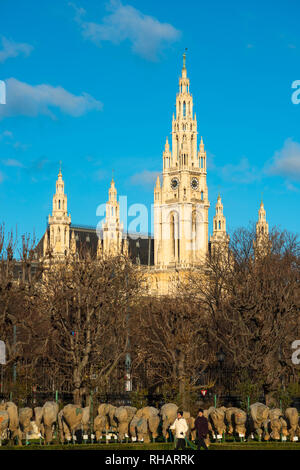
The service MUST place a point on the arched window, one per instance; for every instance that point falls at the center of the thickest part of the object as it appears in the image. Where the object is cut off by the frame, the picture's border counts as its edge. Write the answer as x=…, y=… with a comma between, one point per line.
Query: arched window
x=174, y=238
x=172, y=235
x=184, y=109
x=219, y=225
x=194, y=224
x=59, y=204
x=201, y=195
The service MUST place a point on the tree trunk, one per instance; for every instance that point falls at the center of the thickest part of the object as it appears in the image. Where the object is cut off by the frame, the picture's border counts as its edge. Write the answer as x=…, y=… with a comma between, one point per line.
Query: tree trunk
x=181, y=379
x=77, y=384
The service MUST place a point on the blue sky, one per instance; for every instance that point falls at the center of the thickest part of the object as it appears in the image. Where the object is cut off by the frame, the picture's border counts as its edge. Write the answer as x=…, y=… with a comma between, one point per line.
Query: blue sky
x=93, y=84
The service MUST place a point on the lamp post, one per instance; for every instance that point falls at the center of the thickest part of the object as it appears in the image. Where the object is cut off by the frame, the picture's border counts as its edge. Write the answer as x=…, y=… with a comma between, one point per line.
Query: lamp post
x=128, y=380
x=220, y=358
x=14, y=346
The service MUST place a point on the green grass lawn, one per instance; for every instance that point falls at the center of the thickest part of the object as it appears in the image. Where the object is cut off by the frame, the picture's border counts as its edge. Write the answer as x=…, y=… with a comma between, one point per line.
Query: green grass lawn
x=161, y=446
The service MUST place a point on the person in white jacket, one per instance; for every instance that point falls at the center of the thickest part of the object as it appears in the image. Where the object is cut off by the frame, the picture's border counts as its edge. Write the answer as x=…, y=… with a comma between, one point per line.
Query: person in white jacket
x=181, y=428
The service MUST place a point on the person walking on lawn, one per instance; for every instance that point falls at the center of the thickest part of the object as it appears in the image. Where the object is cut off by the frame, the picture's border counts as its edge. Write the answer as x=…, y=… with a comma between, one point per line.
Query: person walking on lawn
x=180, y=426
x=201, y=424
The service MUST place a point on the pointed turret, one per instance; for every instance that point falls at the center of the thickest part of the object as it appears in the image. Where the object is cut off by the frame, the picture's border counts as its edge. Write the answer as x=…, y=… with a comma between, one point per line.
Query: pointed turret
x=112, y=227
x=262, y=227
x=73, y=243
x=59, y=221
x=184, y=71
x=167, y=156
x=262, y=231
x=112, y=191
x=157, y=186
x=219, y=236
x=167, y=145
x=45, y=243
x=201, y=146
x=202, y=156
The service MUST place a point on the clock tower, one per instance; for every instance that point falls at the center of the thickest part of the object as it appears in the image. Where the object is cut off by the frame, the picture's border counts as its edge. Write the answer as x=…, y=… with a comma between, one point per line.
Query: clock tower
x=181, y=199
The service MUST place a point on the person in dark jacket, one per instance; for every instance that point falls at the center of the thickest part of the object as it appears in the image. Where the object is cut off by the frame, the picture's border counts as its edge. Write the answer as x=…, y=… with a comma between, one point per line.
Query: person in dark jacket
x=201, y=425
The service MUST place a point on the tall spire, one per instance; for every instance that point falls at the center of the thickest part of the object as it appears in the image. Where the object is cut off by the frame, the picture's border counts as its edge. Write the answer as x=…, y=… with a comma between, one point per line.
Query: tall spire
x=157, y=182
x=184, y=72
x=59, y=222
x=201, y=147
x=112, y=227
x=262, y=226
x=183, y=186
x=219, y=225
x=262, y=242
x=112, y=191
x=184, y=59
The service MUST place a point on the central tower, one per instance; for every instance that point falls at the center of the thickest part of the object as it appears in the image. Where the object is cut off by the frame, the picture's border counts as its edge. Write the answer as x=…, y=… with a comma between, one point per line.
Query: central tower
x=181, y=202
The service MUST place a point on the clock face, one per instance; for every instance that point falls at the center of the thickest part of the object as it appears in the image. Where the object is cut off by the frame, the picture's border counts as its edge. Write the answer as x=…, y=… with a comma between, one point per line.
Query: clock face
x=194, y=183
x=174, y=183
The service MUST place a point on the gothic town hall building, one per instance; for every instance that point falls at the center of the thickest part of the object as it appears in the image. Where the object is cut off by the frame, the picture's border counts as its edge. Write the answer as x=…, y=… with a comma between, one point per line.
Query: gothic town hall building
x=181, y=204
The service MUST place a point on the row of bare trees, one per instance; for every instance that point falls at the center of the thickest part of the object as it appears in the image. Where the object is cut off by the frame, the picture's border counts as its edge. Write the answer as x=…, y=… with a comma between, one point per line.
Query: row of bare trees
x=79, y=318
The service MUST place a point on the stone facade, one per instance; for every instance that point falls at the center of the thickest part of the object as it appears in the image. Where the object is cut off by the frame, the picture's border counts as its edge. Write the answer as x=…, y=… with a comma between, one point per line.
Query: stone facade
x=57, y=238
x=181, y=201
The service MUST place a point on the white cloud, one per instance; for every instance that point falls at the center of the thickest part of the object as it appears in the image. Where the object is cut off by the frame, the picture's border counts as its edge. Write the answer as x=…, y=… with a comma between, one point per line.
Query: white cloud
x=146, y=34
x=32, y=100
x=12, y=162
x=243, y=172
x=79, y=12
x=145, y=178
x=286, y=162
x=291, y=187
x=19, y=146
x=5, y=134
x=13, y=49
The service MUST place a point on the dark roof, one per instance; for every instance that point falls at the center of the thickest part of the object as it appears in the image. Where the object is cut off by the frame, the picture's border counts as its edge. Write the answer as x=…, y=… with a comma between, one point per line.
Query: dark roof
x=141, y=247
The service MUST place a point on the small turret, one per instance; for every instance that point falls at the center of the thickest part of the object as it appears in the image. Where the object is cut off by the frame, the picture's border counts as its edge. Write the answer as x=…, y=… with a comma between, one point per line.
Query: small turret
x=73, y=243
x=59, y=221
x=112, y=227
x=219, y=236
x=45, y=243
x=262, y=242
x=157, y=186
x=201, y=146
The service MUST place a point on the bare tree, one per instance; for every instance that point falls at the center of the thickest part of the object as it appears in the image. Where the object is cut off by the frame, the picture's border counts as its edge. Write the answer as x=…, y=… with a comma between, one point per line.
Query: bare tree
x=86, y=303
x=171, y=336
x=18, y=321
x=252, y=302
